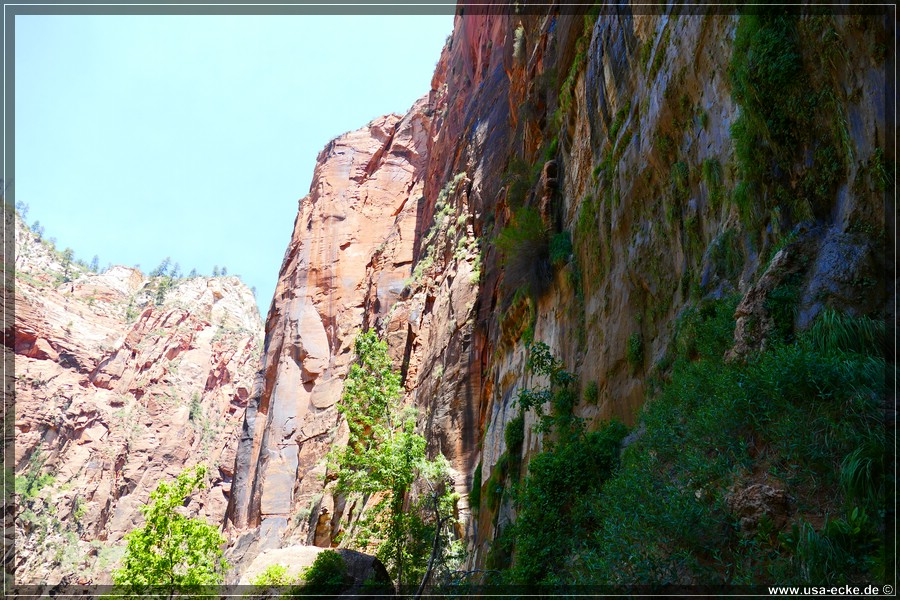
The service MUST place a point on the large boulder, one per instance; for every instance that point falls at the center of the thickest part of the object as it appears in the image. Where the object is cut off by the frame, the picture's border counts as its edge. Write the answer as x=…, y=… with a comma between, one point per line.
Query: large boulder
x=365, y=573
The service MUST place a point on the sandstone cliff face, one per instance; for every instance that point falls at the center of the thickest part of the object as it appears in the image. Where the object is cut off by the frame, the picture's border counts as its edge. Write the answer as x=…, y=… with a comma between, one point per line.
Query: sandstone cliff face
x=629, y=150
x=118, y=385
x=351, y=251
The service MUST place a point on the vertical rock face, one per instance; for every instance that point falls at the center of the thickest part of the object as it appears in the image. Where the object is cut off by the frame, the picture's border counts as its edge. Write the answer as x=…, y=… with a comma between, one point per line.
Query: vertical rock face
x=346, y=265
x=118, y=385
x=614, y=129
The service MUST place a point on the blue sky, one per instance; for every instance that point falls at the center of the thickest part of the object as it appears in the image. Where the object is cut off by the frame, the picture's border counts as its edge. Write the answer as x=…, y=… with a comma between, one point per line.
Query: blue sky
x=193, y=137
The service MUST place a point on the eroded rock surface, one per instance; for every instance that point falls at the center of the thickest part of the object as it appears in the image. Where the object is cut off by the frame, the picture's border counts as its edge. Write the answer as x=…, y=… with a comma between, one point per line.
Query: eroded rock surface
x=617, y=131
x=117, y=387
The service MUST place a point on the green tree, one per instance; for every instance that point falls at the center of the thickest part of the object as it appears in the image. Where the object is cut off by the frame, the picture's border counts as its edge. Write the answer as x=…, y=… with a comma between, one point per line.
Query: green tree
x=162, y=269
x=67, y=256
x=385, y=455
x=171, y=552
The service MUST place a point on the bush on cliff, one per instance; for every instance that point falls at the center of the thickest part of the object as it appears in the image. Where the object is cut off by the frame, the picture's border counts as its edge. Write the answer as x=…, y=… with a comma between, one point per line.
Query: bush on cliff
x=800, y=422
x=525, y=245
x=171, y=553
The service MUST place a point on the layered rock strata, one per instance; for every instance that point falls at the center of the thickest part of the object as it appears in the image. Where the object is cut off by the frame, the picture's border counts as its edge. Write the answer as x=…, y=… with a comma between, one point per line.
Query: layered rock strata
x=122, y=380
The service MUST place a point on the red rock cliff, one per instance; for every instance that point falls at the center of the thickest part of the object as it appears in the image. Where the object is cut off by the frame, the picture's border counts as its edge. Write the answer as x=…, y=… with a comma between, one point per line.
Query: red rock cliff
x=118, y=386
x=584, y=120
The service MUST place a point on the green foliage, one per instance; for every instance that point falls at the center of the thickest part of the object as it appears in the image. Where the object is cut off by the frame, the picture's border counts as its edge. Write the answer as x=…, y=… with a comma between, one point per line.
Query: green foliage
x=553, y=504
x=67, y=256
x=680, y=180
x=646, y=51
x=634, y=351
x=665, y=145
x=328, y=573
x=560, y=248
x=592, y=393
x=520, y=178
x=725, y=254
x=705, y=331
x=171, y=552
x=834, y=331
x=514, y=435
x=442, y=233
x=558, y=394
x=525, y=248
x=384, y=454
x=712, y=177
x=79, y=509
x=196, y=410
x=781, y=304
x=163, y=285
x=162, y=270
x=813, y=406
x=619, y=120
x=33, y=481
x=783, y=118
x=274, y=576
x=475, y=493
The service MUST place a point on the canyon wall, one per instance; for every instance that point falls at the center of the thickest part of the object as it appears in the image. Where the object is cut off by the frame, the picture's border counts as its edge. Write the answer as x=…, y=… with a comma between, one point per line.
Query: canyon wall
x=617, y=129
x=122, y=380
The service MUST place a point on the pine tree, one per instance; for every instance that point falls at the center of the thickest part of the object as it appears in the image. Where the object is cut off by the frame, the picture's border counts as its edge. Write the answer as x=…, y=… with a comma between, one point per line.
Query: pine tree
x=67, y=255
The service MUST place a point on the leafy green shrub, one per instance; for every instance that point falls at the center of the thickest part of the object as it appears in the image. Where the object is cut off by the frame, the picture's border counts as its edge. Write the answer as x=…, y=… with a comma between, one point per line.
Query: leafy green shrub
x=619, y=120
x=550, y=503
x=274, y=576
x=680, y=184
x=661, y=50
x=327, y=573
x=781, y=303
x=664, y=144
x=195, y=412
x=712, y=177
x=514, y=434
x=664, y=513
x=592, y=393
x=634, y=351
x=560, y=248
x=475, y=493
x=525, y=246
x=496, y=483
x=781, y=115
x=520, y=178
x=172, y=552
x=725, y=254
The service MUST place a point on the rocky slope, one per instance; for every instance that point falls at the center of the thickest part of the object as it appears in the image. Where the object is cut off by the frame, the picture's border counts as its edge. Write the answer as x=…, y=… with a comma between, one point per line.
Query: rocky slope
x=121, y=380
x=617, y=132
